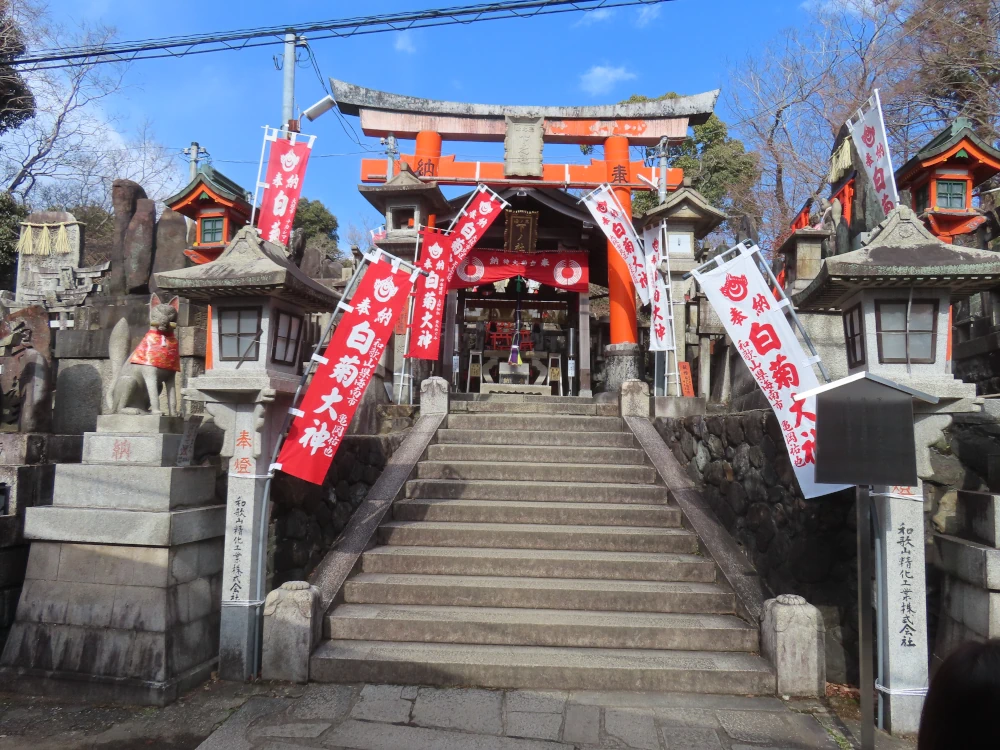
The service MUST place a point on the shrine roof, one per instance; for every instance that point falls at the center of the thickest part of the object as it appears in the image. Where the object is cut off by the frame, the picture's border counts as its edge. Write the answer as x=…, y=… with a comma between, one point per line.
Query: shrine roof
x=351, y=99
x=557, y=199
x=250, y=266
x=686, y=205
x=900, y=253
x=946, y=141
x=217, y=182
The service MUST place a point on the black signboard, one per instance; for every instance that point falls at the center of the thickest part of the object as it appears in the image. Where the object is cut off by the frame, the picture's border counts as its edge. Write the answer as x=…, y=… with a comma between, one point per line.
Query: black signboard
x=864, y=435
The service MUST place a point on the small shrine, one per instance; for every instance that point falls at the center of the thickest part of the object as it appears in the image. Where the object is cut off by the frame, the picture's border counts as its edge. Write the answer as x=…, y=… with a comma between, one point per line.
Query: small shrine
x=218, y=207
x=943, y=174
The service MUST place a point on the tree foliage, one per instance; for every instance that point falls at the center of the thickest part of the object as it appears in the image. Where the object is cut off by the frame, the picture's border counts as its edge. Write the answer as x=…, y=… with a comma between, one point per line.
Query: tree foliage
x=319, y=226
x=17, y=103
x=12, y=213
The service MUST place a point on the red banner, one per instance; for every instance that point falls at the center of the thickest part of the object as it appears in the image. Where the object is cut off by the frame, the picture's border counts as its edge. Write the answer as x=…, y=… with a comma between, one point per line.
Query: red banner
x=286, y=169
x=338, y=383
x=481, y=211
x=569, y=271
x=431, y=291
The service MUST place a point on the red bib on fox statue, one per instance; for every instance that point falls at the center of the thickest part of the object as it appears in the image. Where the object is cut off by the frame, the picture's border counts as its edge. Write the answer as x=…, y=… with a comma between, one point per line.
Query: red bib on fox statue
x=158, y=349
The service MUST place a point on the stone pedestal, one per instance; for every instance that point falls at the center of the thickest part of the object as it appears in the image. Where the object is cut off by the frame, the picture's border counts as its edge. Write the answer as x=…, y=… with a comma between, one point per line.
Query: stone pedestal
x=293, y=625
x=121, y=597
x=621, y=362
x=633, y=400
x=792, y=638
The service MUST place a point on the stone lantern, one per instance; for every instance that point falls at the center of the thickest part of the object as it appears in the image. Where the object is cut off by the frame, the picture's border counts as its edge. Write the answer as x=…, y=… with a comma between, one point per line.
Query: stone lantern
x=259, y=302
x=894, y=296
x=407, y=203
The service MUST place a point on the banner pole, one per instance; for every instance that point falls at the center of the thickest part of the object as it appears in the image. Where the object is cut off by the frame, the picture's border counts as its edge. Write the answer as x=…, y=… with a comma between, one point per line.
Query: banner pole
x=409, y=326
x=260, y=168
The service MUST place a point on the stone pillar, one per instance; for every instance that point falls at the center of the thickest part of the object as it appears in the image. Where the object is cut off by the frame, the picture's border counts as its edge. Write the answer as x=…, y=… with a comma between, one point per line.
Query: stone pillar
x=792, y=638
x=705, y=367
x=583, y=365
x=621, y=362
x=247, y=449
x=125, y=196
x=633, y=401
x=293, y=626
x=121, y=597
x=903, y=586
x=621, y=290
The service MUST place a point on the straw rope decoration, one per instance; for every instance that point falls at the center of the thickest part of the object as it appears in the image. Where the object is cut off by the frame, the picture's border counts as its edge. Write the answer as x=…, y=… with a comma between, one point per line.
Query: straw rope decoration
x=33, y=242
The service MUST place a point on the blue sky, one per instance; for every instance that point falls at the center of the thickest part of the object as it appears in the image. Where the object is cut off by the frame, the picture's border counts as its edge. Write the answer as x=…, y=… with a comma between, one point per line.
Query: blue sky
x=223, y=99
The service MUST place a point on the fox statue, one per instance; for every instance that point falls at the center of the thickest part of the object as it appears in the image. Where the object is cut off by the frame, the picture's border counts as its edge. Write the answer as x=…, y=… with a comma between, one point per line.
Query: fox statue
x=136, y=379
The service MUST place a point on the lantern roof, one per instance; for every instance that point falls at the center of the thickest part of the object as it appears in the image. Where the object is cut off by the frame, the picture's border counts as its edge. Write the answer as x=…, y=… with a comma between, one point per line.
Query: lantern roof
x=250, y=266
x=685, y=205
x=405, y=184
x=900, y=253
x=957, y=142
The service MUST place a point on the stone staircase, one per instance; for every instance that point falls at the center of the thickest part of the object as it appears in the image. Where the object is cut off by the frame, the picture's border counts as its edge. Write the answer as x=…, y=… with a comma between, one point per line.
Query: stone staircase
x=538, y=548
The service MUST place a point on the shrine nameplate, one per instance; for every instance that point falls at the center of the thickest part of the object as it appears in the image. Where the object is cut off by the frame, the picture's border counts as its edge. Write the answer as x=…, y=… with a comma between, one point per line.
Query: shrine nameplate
x=522, y=147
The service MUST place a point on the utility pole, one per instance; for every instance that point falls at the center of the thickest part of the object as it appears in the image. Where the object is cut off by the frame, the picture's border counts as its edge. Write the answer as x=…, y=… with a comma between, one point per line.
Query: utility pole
x=288, y=91
x=391, y=154
x=194, y=152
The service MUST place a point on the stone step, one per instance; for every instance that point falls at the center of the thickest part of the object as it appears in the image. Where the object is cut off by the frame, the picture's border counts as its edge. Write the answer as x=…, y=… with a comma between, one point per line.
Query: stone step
x=549, y=438
x=539, y=627
x=517, y=398
x=542, y=454
x=541, y=667
x=537, y=536
x=593, y=492
x=536, y=472
x=539, y=593
x=515, y=511
x=131, y=487
x=533, y=422
x=532, y=407
x=472, y=561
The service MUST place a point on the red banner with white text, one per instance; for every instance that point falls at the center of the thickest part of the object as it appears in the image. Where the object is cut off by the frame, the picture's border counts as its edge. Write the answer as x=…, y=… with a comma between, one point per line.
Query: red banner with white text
x=431, y=291
x=570, y=271
x=481, y=211
x=326, y=410
x=286, y=169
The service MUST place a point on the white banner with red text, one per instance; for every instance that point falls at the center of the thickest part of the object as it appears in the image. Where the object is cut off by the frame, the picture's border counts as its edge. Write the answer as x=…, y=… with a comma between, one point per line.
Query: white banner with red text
x=756, y=323
x=867, y=130
x=614, y=222
x=660, y=330
x=430, y=294
x=286, y=170
x=562, y=270
x=345, y=369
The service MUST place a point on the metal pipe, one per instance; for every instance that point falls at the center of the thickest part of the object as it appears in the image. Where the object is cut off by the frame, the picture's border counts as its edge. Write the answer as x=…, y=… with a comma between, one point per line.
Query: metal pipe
x=866, y=681
x=288, y=87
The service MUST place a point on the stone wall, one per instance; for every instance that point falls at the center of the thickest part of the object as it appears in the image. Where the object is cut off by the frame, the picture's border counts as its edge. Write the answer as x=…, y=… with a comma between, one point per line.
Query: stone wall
x=798, y=546
x=306, y=519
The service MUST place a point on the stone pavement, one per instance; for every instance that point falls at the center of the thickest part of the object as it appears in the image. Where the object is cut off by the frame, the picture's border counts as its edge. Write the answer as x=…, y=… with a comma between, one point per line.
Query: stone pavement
x=394, y=717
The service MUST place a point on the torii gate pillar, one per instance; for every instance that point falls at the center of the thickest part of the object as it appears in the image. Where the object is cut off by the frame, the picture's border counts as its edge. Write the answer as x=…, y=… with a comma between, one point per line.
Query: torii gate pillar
x=621, y=290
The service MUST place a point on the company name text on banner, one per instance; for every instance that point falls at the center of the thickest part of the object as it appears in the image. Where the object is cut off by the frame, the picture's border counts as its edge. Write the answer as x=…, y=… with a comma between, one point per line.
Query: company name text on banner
x=286, y=170
x=867, y=130
x=659, y=299
x=351, y=359
x=431, y=292
x=756, y=323
x=614, y=222
x=563, y=270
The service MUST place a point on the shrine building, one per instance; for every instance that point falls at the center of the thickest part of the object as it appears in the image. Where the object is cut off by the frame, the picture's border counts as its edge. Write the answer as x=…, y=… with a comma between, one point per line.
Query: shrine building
x=544, y=216
x=218, y=207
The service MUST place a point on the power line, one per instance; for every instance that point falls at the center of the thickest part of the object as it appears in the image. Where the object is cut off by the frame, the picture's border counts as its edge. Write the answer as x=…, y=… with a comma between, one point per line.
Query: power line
x=181, y=46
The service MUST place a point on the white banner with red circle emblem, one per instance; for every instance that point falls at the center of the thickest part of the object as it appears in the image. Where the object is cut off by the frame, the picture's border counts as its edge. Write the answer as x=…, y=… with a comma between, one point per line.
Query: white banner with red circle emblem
x=756, y=323
x=867, y=130
x=614, y=222
x=564, y=270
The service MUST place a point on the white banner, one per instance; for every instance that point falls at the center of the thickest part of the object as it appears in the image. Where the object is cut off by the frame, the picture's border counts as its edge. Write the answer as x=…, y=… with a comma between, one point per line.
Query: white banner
x=867, y=130
x=660, y=334
x=614, y=222
x=756, y=323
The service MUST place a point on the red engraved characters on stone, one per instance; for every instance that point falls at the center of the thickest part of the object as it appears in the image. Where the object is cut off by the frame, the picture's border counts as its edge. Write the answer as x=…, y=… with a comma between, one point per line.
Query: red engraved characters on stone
x=868, y=137
x=735, y=287
x=242, y=465
x=760, y=304
x=244, y=440
x=736, y=316
x=784, y=372
x=121, y=450
x=764, y=338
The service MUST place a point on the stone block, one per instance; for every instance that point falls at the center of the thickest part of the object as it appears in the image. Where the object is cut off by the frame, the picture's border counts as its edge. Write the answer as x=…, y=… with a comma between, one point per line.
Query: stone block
x=979, y=517
x=434, y=396
x=23, y=448
x=292, y=628
x=11, y=531
x=194, y=643
x=191, y=341
x=583, y=724
x=970, y=562
x=468, y=710
x=976, y=608
x=792, y=639
x=634, y=399
x=130, y=424
x=27, y=486
x=43, y=561
x=79, y=391
x=673, y=407
x=153, y=488
x=135, y=450
x=171, y=242
x=128, y=527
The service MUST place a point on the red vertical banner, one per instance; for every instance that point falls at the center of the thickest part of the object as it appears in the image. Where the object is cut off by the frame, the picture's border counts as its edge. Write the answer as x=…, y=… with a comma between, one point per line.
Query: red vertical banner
x=344, y=372
x=431, y=292
x=479, y=213
x=286, y=169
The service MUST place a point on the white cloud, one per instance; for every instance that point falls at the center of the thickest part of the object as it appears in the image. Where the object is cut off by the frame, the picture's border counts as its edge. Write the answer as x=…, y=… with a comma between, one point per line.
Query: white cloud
x=404, y=43
x=594, y=16
x=647, y=14
x=601, y=79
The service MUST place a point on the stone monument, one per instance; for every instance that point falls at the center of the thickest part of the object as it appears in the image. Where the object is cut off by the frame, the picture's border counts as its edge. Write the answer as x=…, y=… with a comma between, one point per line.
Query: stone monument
x=122, y=590
x=26, y=375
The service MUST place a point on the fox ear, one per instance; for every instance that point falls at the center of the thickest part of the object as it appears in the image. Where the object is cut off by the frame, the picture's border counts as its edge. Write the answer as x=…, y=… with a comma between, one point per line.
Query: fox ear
x=175, y=303
x=154, y=301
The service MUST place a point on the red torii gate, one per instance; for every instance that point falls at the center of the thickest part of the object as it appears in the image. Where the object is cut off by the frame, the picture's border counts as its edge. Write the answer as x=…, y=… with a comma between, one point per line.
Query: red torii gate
x=617, y=126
